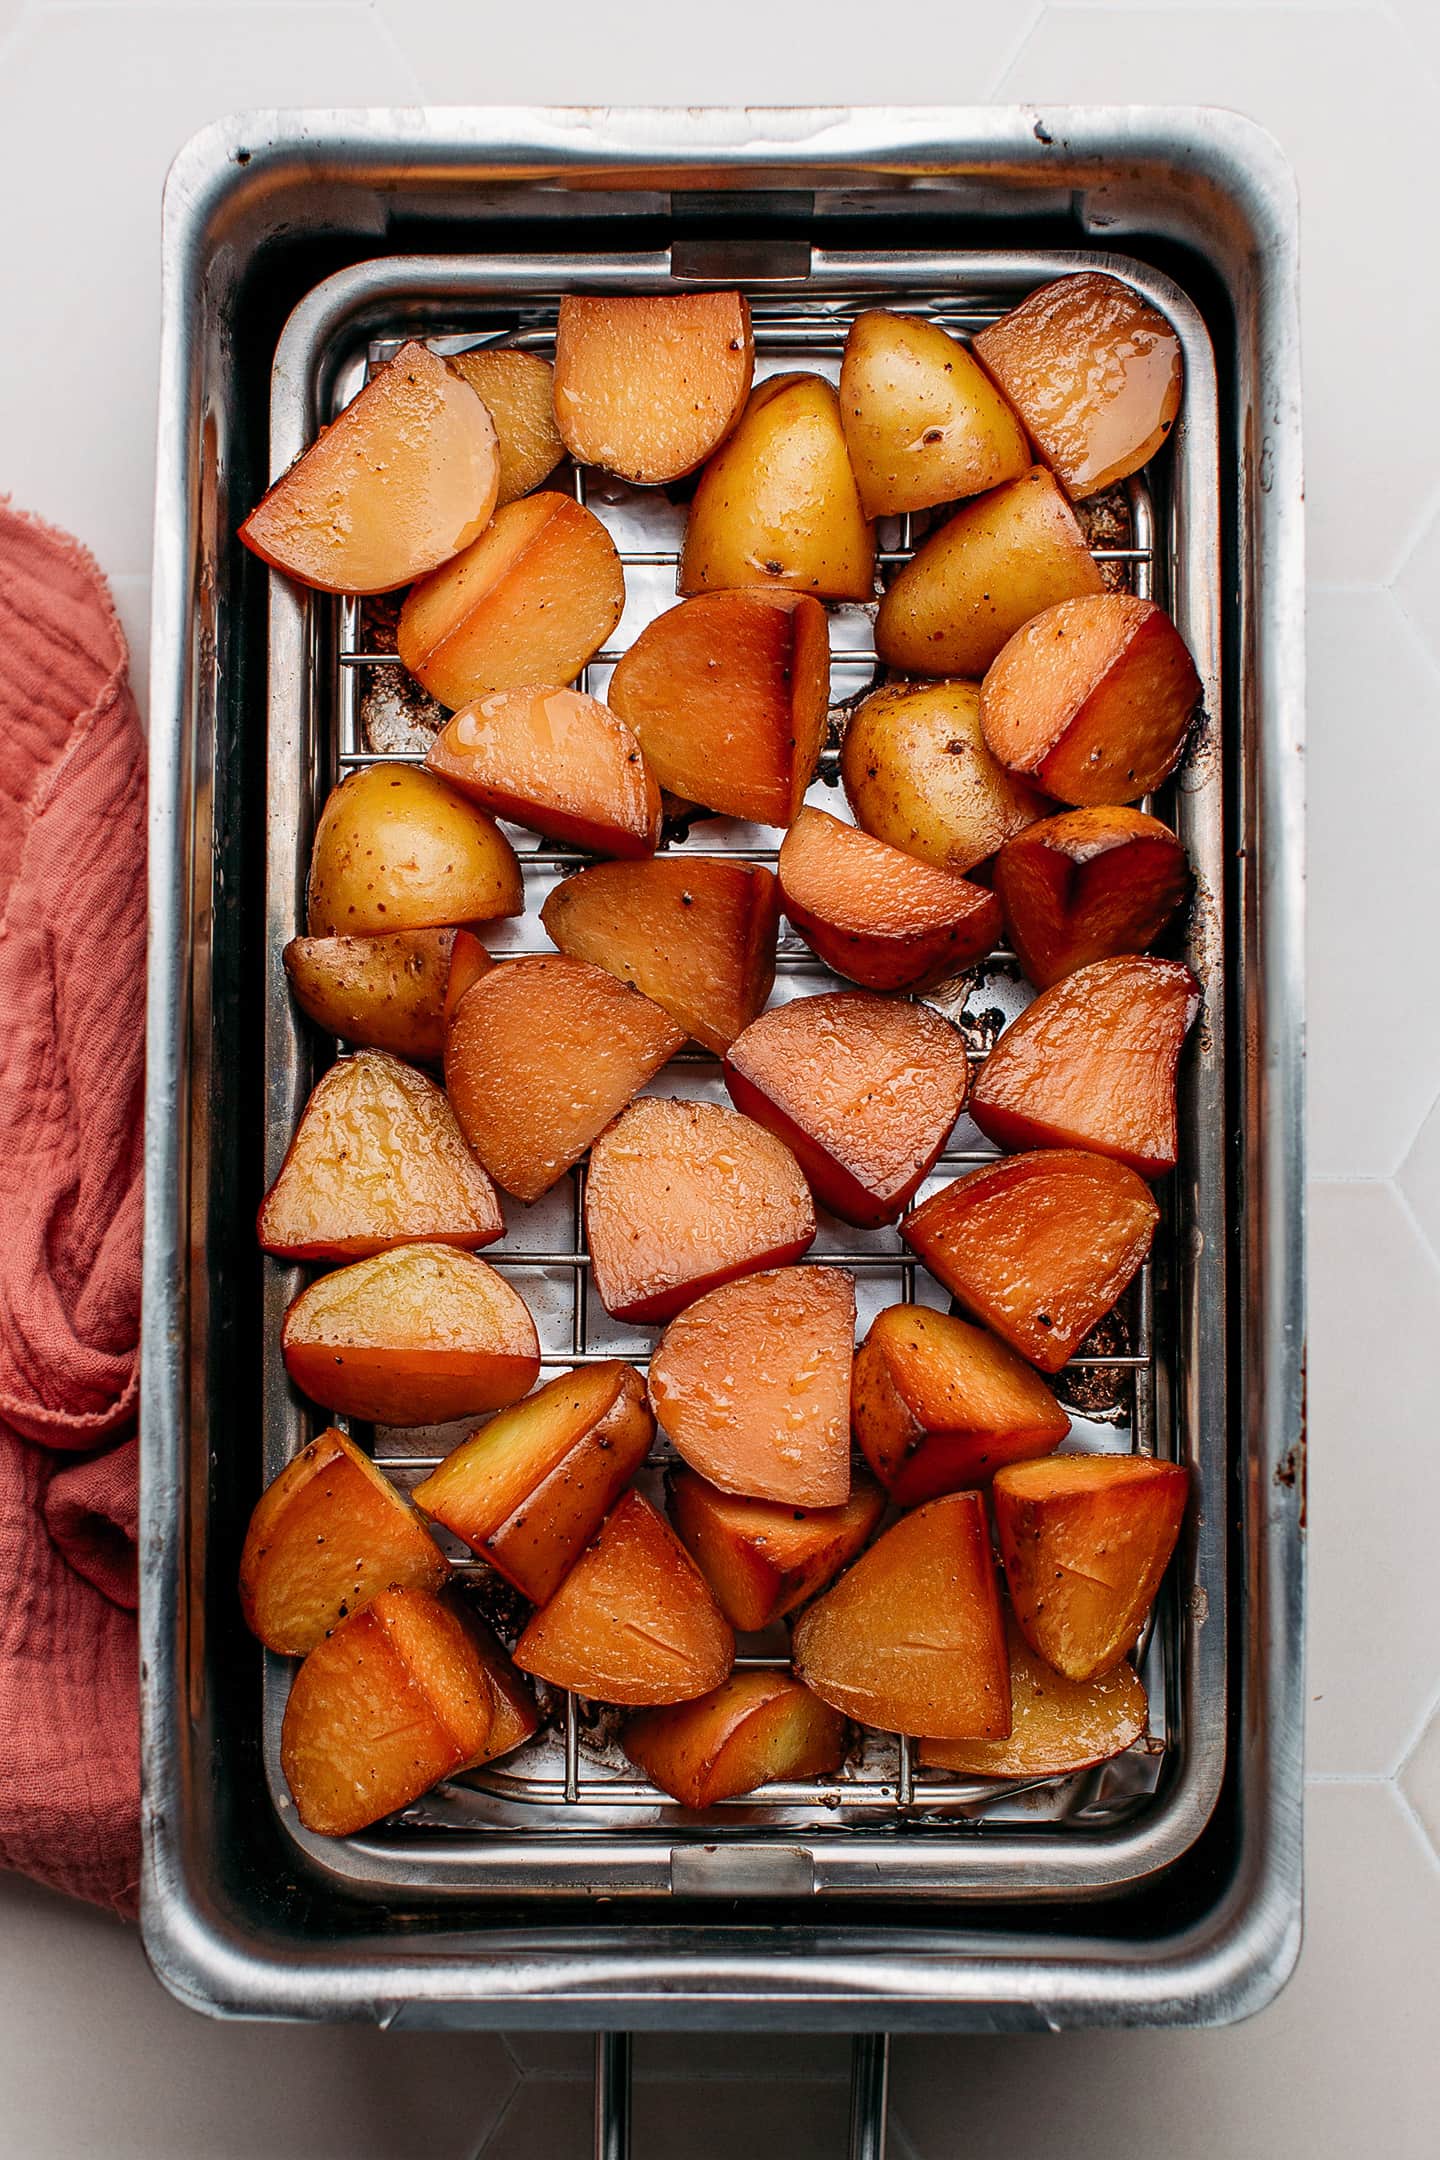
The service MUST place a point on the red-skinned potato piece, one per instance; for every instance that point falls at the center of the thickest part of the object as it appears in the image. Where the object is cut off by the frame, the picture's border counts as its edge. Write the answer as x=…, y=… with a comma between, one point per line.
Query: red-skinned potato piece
x=1057, y=1726
x=911, y=1639
x=554, y=760
x=752, y=1383
x=695, y=933
x=377, y=1160
x=938, y=1405
x=756, y=1726
x=327, y=1535
x=877, y=915
x=1085, y=1540
x=530, y=1489
x=1087, y=885
x=412, y=1337
x=864, y=1090
x=1038, y=1246
x=396, y=849
x=728, y=696
x=469, y=960
x=683, y=1196
x=543, y=1053
x=1094, y=372
x=394, y=1699
x=634, y=1621
x=762, y=1558
x=1091, y=1064
x=529, y=602
x=647, y=385
x=401, y=481
x=1092, y=700
x=380, y=993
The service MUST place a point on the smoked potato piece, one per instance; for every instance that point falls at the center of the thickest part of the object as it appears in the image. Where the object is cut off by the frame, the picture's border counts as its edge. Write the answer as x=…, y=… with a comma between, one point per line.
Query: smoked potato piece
x=752, y=1383
x=633, y=1621
x=385, y=992
x=396, y=849
x=778, y=504
x=971, y=585
x=1037, y=1246
x=327, y=1535
x=469, y=960
x=684, y=1196
x=728, y=694
x=923, y=421
x=864, y=1090
x=646, y=386
x=696, y=933
x=755, y=1726
x=877, y=915
x=1085, y=1540
x=911, y=1639
x=530, y=601
x=1092, y=700
x=1057, y=1726
x=401, y=481
x=917, y=775
x=1087, y=885
x=1091, y=1064
x=377, y=1161
x=543, y=1053
x=938, y=1405
x=762, y=1558
x=1093, y=371
x=393, y=1700
x=529, y=1490
x=412, y=1337
x=517, y=389
x=554, y=760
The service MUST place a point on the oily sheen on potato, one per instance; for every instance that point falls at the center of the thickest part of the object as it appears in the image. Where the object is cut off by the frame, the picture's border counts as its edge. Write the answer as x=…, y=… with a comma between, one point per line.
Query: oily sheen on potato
x=557, y=761
x=396, y=849
x=1057, y=1726
x=923, y=421
x=918, y=776
x=1087, y=885
x=762, y=1558
x=517, y=389
x=877, y=915
x=755, y=1727
x=385, y=992
x=647, y=385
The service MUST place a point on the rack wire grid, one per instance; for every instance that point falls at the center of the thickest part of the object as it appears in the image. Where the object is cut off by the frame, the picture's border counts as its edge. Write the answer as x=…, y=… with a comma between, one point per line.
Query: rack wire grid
x=1116, y=1389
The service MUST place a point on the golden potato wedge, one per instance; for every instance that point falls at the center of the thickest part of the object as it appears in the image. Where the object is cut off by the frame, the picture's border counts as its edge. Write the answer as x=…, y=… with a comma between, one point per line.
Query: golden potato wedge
x=515, y=1715
x=755, y=1727
x=1086, y=886
x=684, y=1196
x=762, y=1558
x=917, y=774
x=327, y=1535
x=1085, y=1540
x=396, y=849
x=778, y=504
x=877, y=915
x=557, y=761
x=728, y=694
x=633, y=1621
x=1095, y=373
x=385, y=992
x=923, y=421
x=647, y=386
x=469, y=960
x=530, y=601
x=393, y=1700
x=404, y=479
x=543, y=1053
x=517, y=389
x=412, y=1337
x=911, y=1638
x=377, y=1160
x=529, y=1490
x=970, y=586
x=696, y=933
x=1092, y=699
x=1057, y=1726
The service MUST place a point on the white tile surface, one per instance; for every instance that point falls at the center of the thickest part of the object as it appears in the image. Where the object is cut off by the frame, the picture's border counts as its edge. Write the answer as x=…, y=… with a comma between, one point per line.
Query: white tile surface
x=93, y=101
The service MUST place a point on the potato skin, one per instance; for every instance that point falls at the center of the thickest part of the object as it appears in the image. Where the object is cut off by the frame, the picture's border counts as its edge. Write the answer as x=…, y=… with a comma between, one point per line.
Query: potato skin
x=917, y=773
x=923, y=421
x=379, y=993
x=396, y=849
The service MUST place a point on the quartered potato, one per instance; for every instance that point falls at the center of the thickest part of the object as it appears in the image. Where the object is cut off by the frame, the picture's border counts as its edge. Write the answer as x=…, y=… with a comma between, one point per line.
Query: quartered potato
x=756, y=1726
x=918, y=775
x=384, y=992
x=1057, y=1726
x=877, y=915
x=1086, y=886
x=517, y=389
x=923, y=421
x=647, y=385
x=469, y=960
x=762, y=1558
x=396, y=849
x=557, y=761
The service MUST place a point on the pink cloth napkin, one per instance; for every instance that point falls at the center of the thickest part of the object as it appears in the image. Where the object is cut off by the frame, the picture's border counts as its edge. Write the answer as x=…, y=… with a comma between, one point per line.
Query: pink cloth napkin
x=72, y=1001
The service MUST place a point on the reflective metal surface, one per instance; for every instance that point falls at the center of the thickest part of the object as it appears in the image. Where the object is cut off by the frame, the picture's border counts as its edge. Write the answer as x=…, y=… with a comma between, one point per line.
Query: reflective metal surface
x=893, y=1922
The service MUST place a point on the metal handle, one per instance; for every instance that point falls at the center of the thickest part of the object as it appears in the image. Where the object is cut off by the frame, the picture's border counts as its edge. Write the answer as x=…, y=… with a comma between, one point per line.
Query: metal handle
x=869, y=2096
